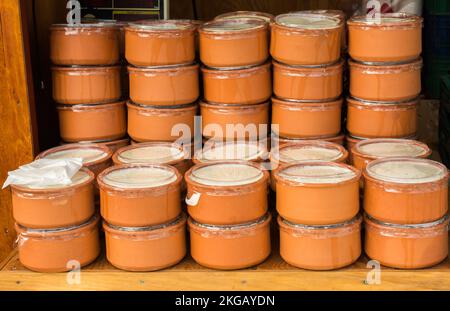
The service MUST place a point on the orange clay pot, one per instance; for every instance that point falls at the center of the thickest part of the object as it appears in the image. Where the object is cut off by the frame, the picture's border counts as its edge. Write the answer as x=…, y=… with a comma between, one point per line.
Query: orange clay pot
x=385, y=82
x=166, y=153
x=297, y=119
x=146, y=248
x=368, y=150
x=322, y=247
x=68, y=44
x=136, y=195
x=234, y=42
x=58, y=250
x=378, y=119
x=234, y=121
x=231, y=151
x=307, y=83
x=407, y=246
x=86, y=85
x=392, y=38
x=92, y=122
x=317, y=193
x=159, y=43
x=55, y=206
x=280, y=141
x=95, y=157
x=306, y=39
x=406, y=190
x=247, y=85
x=230, y=247
x=155, y=123
x=161, y=86
x=218, y=191
x=268, y=18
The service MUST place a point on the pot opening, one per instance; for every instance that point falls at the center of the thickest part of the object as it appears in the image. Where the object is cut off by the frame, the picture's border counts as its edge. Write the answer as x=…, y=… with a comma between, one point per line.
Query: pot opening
x=226, y=174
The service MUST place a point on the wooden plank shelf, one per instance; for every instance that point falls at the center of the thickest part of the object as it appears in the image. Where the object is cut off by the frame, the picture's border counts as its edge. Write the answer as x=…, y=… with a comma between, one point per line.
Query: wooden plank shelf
x=273, y=274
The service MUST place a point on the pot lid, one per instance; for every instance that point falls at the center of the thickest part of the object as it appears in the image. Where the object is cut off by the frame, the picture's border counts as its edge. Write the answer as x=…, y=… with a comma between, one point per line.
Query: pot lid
x=226, y=174
x=77, y=179
x=87, y=153
x=244, y=151
x=232, y=25
x=162, y=25
x=139, y=177
x=382, y=148
x=317, y=173
x=386, y=19
x=309, y=152
x=308, y=21
x=155, y=154
x=406, y=170
x=246, y=14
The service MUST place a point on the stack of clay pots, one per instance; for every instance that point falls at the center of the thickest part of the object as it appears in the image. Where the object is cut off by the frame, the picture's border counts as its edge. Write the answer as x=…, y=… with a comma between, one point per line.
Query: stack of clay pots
x=236, y=79
x=306, y=48
x=163, y=80
x=86, y=82
x=385, y=71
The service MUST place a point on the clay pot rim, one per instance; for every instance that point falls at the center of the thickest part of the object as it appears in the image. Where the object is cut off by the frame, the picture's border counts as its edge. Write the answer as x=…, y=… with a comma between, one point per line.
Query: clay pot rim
x=368, y=177
x=355, y=221
x=119, y=151
x=91, y=106
x=103, y=148
x=180, y=221
x=292, y=102
x=356, y=139
x=294, y=28
x=257, y=14
x=58, y=190
x=410, y=20
x=357, y=151
x=101, y=141
x=274, y=156
x=164, y=68
x=369, y=220
x=337, y=65
x=409, y=65
x=241, y=107
x=86, y=68
x=252, y=225
x=148, y=26
x=183, y=107
x=262, y=151
x=104, y=186
x=351, y=100
x=235, y=70
x=323, y=138
x=335, y=13
x=107, y=26
x=55, y=232
x=258, y=25
x=262, y=180
x=276, y=175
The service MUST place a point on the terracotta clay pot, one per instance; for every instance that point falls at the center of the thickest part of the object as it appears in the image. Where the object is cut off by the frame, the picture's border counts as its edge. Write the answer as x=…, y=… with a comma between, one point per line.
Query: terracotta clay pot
x=247, y=85
x=68, y=44
x=321, y=247
x=367, y=119
x=317, y=193
x=161, y=86
x=268, y=18
x=392, y=37
x=135, y=195
x=146, y=248
x=298, y=119
x=406, y=190
x=92, y=122
x=368, y=150
x=306, y=39
x=86, y=85
x=218, y=191
x=160, y=42
x=231, y=151
x=166, y=153
x=156, y=123
x=307, y=82
x=407, y=246
x=394, y=82
x=55, y=206
x=234, y=42
x=230, y=247
x=95, y=157
x=234, y=121
x=58, y=250
x=280, y=141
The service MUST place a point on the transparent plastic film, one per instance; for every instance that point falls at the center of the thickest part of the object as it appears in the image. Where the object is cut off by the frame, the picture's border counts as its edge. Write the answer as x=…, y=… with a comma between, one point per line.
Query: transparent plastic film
x=308, y=23
x=170, y=71
x=318, y=106
x=87, y=71
x=225, y=109
x=386, y=21
x=246, y=14
x=158, y=111
x=388, y=69
x=240, y=150
x=100, y=108
x=234, y=29
x=371, y=149
x=309, y=71
x=153, y=152
x=378, y=106
x=236, y=73
x=162, y=28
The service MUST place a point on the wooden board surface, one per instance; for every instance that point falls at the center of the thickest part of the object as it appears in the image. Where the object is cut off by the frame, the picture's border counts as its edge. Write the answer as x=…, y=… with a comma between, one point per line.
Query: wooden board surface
x=273, y=274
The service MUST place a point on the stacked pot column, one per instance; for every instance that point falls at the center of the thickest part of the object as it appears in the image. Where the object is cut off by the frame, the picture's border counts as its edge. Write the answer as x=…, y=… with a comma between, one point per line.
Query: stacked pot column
x=236, y=79
x=86, y=82
x=385, y=81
